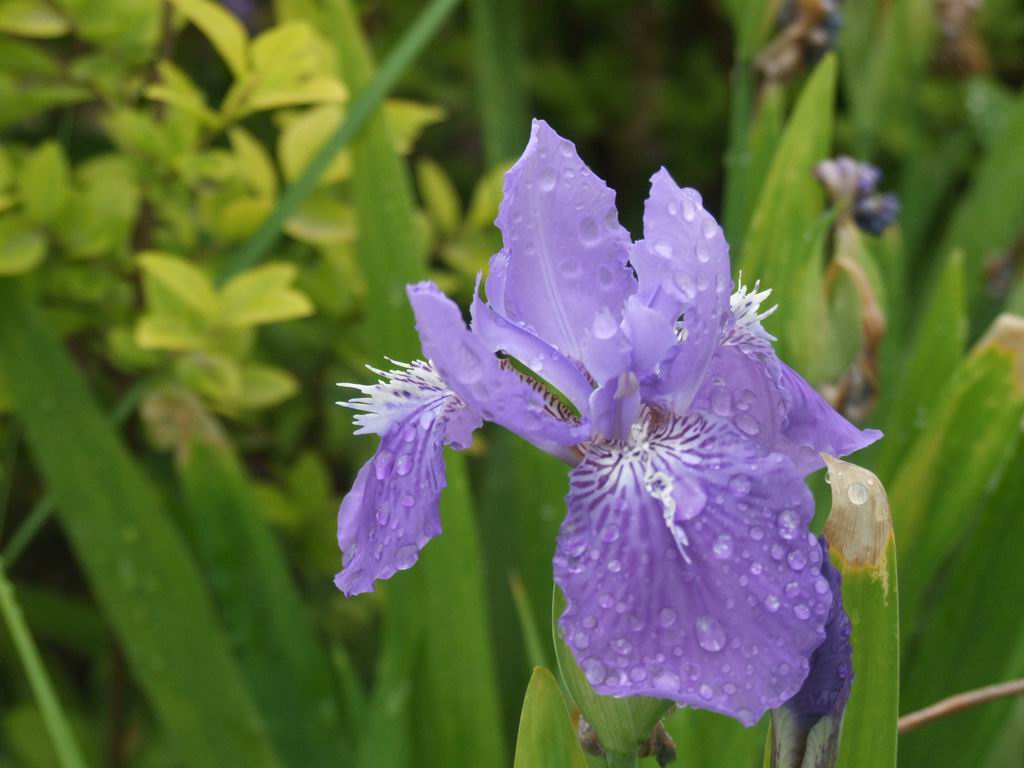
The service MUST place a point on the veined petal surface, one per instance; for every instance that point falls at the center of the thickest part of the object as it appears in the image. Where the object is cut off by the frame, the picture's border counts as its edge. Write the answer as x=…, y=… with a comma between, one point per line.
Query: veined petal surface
x=688, y=568
x=392, y=510
x=566, y=251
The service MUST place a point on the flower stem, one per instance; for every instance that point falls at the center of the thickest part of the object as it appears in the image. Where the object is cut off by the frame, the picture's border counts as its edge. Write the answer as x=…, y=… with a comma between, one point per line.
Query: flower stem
x=620, y=760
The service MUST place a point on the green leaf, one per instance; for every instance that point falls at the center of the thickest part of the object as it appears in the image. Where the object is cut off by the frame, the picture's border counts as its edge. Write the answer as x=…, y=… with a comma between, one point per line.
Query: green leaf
x=407, y=120
x=303, y=135
x=262, y=610
x=69, y=754
x=362, y=108
x=32, y=18
x=546, y=737
x=176, y=88
x=255, y=167
x=263, y=295
x=135, y=560
x=44, y=182
x=983, y=588
x=500, y=77
x=860, y=537
x=708, y=738
x=263, y=386
x=22, y=246
x=180, y=279
x=785, y=218
x=931, y=358
x=940, y=486
x=222, y=28
x=986, y=222
x=322, y=220
x=439, y=195
x=621, y=724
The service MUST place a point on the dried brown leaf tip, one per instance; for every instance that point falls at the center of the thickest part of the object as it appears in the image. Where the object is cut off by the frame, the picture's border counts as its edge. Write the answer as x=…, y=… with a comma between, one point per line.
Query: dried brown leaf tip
x=860, y=525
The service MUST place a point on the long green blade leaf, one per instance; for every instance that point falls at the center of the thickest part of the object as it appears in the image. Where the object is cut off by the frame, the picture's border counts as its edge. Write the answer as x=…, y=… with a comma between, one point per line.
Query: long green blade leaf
x=64, y=744
x=135, y=559
x=261, y=610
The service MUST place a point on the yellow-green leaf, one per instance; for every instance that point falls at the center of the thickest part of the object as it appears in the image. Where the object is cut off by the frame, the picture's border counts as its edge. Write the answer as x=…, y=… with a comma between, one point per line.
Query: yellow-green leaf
x=546, y=737
x=255, y=167
x=264, y=295
x=44, y=182
x=322, y=220
x=303, y=135
x=189, y=284
x=439, y=195
x=264, y=386
x=177, y=89
x=222, y=29
x=32, y=18
x=22, y=246
x=408, y=119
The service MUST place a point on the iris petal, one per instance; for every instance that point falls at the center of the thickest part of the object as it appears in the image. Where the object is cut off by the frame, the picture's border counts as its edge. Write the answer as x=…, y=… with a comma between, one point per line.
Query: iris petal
x=688, y=568
x=566, y=251
x=392, y=510
x=682, y=265
x=496, y=392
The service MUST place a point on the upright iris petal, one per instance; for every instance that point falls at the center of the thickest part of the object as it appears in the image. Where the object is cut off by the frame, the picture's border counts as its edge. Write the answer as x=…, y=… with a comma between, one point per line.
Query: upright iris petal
x=685, y=555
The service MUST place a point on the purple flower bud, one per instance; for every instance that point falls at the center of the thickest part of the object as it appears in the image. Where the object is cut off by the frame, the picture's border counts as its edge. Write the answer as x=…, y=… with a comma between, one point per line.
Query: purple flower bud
x=851, y=186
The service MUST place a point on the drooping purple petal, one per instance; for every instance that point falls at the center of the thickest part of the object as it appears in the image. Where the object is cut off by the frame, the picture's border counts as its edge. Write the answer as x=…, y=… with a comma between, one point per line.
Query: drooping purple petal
x=813, y=426
x=806, y=729
x=566, y=251
x=827, y=688
x=688, y=568
x=392, y=510
x=494, y=391
x=764, y=398
x=682, y=265
x=501, y=335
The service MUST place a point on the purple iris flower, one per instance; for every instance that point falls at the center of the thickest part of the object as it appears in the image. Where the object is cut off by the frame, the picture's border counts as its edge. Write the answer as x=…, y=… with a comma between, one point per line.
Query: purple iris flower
x=685, y=556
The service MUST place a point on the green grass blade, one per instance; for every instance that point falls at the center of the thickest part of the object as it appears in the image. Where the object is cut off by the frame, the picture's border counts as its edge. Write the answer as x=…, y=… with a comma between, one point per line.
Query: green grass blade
x=708, y=738
x=497, y=41
x=860, y=535
x=360, y=111
x=942, y=483
x=546, y=737
x=789, y=207
x=65, y=745
x=261, y=610
x=987, y=220
x=975, y=635
x=934, y=354
x=134, y=558
x=458, y=717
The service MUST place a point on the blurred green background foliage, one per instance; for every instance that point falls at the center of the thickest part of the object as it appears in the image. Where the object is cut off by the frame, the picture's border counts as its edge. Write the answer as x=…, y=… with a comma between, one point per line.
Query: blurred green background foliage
x=170, y=456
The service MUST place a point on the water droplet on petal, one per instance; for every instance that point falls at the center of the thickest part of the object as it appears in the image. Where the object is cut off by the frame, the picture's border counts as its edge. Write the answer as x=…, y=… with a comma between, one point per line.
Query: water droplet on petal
x=720, y=401
x=709, y=229
x=705, y=692
x=722, y=547
x=858, y=493
x=684, y=284
x=638, y=674
x=547, y=179
x=797, y=560
x=666, y=680
x=614, y=566
x=787, y=521
x=802, y=611
x=604, y=325
x=756, y=533
x=710, y=634
x=748, y=424
x=663, y=249
x=589, y=231
x=408, y=500
x=594, y=670
x=405, y=556
x=666, y=617
x=382, y=464
x=622, y=646
x=689, y=209
x=740, y=484
x=404, y=464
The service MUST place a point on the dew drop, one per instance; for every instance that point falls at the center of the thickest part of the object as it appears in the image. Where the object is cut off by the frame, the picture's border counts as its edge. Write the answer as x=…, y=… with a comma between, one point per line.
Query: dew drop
x=689, y=209
x=595, y=671
x=802, y=611
x=748, y=424
x=622, y=646
x=771, y=603
x=756, y=533
x=796, y=560
x=547, y=180
x=684, y=284
x=614, y=566
x=666, y=617
x=703, y=254
x=740, y=484
x=610, y=533
x=408, y=500
x=404, y=464
x=710, y=634
x=606, y=601
x=666, y=680
x=604, y=325
x=663, y=249
x=709, y=229
x=705, y=692
x=382, y=464
x=589, y=231
x=673, y=209
x=580, y=640
x=858, y=493
x=638, y=674
x=787, y=522
x=405, y=556
x=722, y=548
x=820, y=586
x=720, y=401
